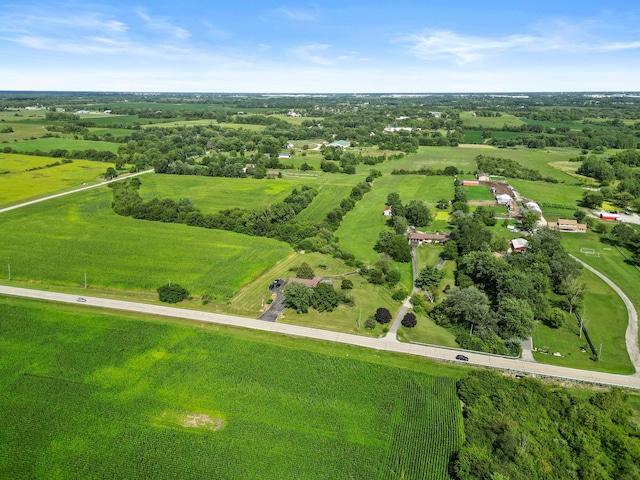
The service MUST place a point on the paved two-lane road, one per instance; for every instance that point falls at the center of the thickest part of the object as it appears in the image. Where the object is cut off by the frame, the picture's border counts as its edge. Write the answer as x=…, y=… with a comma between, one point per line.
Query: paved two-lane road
x=386, y=344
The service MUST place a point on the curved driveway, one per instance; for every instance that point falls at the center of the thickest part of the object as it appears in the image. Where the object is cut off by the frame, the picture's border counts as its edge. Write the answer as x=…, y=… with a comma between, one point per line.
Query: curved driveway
x=631, y=335
x=391, y=345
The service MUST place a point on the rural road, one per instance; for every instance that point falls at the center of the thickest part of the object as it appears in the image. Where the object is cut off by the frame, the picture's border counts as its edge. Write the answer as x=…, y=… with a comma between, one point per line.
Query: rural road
x=383, y=344
x=89, y=187
x=631, y=335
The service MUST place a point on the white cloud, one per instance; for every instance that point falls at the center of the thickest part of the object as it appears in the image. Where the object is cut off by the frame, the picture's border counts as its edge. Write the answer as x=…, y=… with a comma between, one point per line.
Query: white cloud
x=462, y=49
x=162, y=25
x=312, y=53
x=299, y=14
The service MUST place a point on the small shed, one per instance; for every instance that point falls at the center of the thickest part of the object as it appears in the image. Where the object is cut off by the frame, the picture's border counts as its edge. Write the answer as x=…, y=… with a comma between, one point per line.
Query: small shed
x=519, y=244
x=484, y=177
x=387, y=211
x=470, y=183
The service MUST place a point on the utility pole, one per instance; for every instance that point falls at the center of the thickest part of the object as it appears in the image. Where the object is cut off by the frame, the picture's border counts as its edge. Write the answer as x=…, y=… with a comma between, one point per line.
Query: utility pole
x=85, y=280
x=9, y=265
x=359, y=318
x=600, y=353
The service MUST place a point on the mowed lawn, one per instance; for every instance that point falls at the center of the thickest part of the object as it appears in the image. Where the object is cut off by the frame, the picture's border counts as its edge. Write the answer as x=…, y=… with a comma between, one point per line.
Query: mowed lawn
x=550, y=193
x=20, y=185
x=605, y=317
x=212, y=194
x=98, y=395
x=361, y=227
x=69, y=144
x=57, y=241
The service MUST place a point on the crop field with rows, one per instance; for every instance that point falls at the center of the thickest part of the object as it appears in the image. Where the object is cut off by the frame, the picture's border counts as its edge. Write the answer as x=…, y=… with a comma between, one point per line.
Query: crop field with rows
x=93, y=395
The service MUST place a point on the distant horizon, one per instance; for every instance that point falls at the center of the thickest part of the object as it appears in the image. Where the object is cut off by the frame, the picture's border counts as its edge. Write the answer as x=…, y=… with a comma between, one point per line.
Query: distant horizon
x=511, y=94
x=336, y=46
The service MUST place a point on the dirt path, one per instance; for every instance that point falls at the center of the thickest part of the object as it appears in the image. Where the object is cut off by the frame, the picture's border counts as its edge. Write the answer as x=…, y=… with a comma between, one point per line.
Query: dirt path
x=631, y=335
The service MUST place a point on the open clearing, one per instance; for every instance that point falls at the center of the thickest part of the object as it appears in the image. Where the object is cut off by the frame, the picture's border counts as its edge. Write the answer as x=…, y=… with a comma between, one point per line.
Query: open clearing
x=69, y=144
x=19, y=185
x=212, y=194
x=96, y=395
x=57, y=241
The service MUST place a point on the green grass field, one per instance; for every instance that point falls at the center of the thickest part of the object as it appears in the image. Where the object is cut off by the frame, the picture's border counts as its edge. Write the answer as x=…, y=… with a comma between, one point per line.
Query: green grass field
x=605, y=321
x=187, y=123
x=605, y=317
x=47, y=144
x=469, y=120
x=94, y=395
x=328, y=198
x=550, y=193
x=19, y=185
x=57, y=241
x=212, y=194
x=478, y=193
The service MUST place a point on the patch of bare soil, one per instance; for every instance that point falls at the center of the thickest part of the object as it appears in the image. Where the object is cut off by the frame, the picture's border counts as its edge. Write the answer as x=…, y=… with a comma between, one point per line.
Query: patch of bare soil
x=201, y=420
x=474, y=145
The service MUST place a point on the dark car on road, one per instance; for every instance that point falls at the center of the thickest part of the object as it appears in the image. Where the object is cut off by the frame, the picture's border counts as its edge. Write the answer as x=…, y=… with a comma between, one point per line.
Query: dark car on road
x=464, y=358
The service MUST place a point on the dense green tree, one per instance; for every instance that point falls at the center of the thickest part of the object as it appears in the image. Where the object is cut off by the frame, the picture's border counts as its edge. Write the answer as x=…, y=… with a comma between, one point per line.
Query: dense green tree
x=580, y=216
x=297, y=296
x=400, y=224
x=325, y=298
x=515, y=318
x=418, y=214
x=409, y=320
x=530, y=220
x=592, y=199
x=346, y=284
x=486, y=215
x=383, y=315
x=172, y=293
x=470, y=235
x=305, y=271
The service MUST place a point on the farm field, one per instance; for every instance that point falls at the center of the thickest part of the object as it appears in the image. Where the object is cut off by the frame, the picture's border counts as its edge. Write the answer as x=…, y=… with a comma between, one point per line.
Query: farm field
x=212, y=194
x=60, y=240
x=469, y=120
x=69, y=144
x=207, y=121
x=478, y=193
x=19, y=185
x=329, y=197
x=549, y=193
x=360, y=228
x=96, y=395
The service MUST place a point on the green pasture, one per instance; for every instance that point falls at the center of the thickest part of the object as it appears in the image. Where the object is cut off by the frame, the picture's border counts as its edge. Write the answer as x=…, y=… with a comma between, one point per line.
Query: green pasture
x=19, y=185
x=115, y=132
x=52, y=143
x=473, y=136
x=549, y=193
x=478, y=193
x=360, y=228
x=58, y=241
x=23, y=129
x=207, y=121
x=328, y=198
x=297, y=120
x=605, y=317
x=89, y=394
x=573, y=126
x=212, y=194
x=489, y=123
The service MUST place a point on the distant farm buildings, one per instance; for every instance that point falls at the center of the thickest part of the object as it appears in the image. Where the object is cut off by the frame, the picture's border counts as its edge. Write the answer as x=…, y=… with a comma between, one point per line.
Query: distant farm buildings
x=470, y=183
x=568, y=225
x=340, y=143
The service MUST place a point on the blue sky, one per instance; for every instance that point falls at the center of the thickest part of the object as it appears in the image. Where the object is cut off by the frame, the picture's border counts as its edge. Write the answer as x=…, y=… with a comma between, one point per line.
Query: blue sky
x=329, y=46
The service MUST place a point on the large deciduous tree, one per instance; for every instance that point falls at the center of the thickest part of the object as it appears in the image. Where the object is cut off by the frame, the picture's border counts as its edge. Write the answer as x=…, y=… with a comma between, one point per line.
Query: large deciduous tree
x=298, y=296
